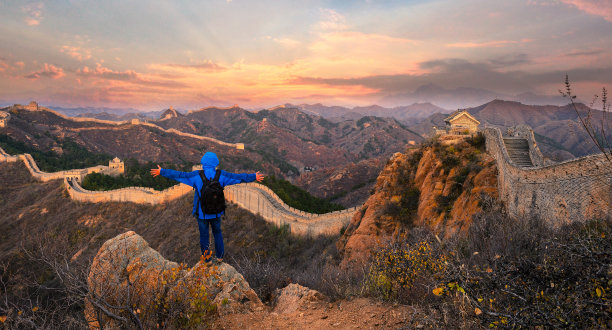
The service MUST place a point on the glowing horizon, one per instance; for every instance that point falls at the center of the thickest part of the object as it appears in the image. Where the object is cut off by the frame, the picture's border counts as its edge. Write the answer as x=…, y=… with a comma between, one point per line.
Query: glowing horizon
x=149, y=55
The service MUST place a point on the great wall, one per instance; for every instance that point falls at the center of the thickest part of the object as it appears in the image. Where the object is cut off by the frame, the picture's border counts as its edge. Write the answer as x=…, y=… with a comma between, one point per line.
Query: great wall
x=559, y=193
x=573, y=190
x=33, y=106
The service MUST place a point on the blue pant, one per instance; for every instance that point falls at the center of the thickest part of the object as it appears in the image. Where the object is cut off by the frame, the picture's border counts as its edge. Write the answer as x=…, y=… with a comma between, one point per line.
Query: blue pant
x=215, y=224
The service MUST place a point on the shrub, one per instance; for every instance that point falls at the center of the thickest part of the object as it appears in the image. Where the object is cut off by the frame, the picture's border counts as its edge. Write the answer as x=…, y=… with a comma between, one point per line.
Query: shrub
x=402, y=268
x=299, y=198
x=477, y=140
x=189, y=306
x=519, y=273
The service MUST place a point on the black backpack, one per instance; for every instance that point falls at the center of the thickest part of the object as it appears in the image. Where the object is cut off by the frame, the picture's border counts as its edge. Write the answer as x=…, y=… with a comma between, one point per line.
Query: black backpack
x=212, y=199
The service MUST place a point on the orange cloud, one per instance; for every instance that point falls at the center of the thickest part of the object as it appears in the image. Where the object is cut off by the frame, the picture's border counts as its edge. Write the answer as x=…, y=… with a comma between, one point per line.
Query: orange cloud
x=601, y=8
x=205, y=66
x=48, y=71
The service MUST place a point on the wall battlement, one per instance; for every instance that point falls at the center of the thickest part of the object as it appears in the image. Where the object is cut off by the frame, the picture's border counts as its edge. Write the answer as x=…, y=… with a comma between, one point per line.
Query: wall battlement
x=560, y=193
x=254, y=197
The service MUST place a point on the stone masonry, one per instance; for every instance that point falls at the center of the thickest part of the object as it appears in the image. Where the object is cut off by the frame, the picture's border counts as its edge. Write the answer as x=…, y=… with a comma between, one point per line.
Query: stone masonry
x=576, y=190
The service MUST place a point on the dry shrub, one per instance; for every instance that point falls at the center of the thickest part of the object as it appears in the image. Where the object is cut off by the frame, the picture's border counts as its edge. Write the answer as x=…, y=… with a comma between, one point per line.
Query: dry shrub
x=406, y=269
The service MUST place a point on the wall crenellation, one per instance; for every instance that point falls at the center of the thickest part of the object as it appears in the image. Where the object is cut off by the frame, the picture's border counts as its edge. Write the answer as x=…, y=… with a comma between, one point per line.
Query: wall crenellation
x=573, y=190
x=254, y=197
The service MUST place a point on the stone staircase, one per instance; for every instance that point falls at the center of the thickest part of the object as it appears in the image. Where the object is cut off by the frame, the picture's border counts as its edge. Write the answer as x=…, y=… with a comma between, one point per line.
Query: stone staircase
x=518, y=150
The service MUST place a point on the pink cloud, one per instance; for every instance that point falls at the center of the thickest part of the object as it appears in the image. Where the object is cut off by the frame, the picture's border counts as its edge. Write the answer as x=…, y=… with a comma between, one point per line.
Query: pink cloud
x=49, y=71
x=34, y=13
x=128, y=76
x=494, y=43
x=107, y=73
x=601, y=8
x=76, y=52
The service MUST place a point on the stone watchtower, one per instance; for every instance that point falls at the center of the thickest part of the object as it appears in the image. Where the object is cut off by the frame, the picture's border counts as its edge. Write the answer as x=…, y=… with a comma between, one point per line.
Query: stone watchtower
x=117, y=166
x=461, y=122
x=4, y=118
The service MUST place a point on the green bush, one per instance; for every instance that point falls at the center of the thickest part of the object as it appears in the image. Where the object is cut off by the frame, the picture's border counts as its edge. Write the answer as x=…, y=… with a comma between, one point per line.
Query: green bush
x=73, y=156
x=136, y=175
x=299, y=198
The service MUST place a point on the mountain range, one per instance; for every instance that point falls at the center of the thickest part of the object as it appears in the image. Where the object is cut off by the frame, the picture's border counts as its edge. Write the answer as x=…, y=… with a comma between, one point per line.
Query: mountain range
x=463, y=97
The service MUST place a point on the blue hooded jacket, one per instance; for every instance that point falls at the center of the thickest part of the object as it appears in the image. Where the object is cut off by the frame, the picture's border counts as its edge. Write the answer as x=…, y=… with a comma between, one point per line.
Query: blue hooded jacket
x=209, y=163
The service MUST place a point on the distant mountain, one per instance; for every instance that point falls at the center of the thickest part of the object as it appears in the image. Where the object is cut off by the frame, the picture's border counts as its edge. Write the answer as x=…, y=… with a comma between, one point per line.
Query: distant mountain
x=170, y=113
x=303, y=139
x=115, y=114
x=415, y=110
x=463, y=97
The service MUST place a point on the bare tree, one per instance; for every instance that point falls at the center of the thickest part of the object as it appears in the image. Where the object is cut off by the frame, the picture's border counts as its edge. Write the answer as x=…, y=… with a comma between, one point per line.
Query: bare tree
x=598, y=132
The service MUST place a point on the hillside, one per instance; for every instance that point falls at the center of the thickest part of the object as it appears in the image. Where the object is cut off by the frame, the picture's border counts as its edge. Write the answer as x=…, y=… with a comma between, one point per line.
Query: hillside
x=46, y=131
x=281, y=142
x=436, y=187
x=432, y=242
x=42, y=224
x=302, y=139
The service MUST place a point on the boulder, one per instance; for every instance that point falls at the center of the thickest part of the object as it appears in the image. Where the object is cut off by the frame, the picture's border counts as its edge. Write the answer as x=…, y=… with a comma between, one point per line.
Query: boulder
x=131, y=283
x=294, y=296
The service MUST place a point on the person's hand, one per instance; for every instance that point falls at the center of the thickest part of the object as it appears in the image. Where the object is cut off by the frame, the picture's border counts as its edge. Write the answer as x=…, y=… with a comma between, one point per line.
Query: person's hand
x=156, y=171
x=259, y=177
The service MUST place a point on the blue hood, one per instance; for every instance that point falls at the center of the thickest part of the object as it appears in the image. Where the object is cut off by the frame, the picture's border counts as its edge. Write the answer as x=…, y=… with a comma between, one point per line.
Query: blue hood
x=210, y=160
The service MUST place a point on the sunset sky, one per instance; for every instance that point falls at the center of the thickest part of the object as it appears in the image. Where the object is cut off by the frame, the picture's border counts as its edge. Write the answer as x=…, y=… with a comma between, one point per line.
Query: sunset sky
x=191, y=54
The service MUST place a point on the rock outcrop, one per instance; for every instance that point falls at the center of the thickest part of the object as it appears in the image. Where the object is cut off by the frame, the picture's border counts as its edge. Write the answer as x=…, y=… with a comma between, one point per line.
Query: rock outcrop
x=129, y=282
x=294, y=296
x=438, y=187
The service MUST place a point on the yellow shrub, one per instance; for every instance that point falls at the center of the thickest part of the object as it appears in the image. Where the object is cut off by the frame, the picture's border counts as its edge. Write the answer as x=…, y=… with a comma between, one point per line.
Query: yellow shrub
x=398, y=268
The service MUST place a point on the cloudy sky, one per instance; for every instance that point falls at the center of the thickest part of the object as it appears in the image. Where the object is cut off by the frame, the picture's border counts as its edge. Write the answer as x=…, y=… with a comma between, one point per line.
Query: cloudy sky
x=190, y=54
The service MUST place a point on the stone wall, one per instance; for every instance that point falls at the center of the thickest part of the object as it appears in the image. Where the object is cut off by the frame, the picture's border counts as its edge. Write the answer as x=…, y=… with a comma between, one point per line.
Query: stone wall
x=254, y=197
x=261, y=200
x=34, y=107
x=574, y=190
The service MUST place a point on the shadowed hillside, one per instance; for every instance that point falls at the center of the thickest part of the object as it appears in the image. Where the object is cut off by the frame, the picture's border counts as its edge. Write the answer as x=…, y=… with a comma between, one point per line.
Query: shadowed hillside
x=42, y=224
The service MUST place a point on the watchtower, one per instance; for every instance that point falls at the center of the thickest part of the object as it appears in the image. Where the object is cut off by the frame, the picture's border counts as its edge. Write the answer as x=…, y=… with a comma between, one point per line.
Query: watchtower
x=116, y=165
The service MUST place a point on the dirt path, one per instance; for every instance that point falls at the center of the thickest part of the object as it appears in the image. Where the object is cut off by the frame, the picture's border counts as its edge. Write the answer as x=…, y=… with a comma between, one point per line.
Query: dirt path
x=355, y=314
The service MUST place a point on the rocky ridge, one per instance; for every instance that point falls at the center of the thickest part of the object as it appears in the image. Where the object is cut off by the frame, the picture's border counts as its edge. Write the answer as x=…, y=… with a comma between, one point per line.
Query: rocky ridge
x=438, y=187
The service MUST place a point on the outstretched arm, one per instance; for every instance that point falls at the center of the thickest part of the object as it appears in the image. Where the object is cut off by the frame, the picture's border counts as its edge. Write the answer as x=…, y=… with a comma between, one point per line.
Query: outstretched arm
x=182, y=177
x=233, y=178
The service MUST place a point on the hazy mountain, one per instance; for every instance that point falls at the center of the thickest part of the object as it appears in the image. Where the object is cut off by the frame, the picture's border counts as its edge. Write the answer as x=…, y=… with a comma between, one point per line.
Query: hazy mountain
x=463, y=97
x=80, y=111
x=415, y=110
